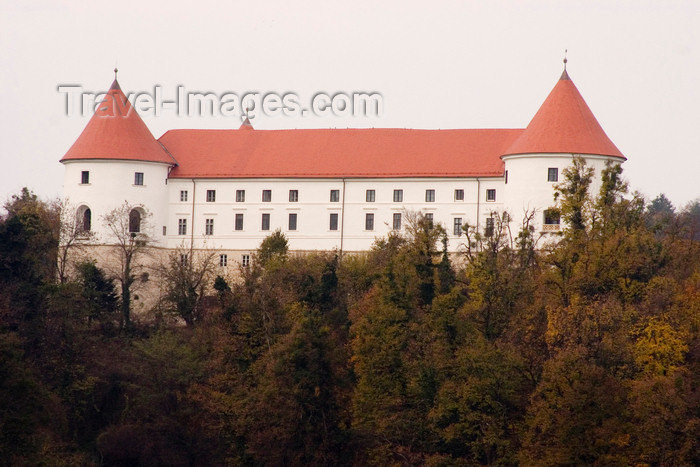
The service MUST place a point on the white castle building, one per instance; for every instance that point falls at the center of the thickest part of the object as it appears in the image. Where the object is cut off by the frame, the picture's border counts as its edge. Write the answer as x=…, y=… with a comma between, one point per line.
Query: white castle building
x=325, y=188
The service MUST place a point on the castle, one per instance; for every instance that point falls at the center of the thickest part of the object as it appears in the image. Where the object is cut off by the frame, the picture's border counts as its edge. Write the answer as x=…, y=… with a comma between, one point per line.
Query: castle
x=324, y=188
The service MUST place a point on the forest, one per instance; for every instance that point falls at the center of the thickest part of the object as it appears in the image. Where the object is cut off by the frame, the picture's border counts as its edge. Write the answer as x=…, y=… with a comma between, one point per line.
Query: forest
x=578, y=349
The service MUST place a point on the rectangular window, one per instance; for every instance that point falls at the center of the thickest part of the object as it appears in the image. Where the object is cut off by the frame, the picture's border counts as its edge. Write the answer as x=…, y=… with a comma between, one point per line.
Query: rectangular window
x=265, y=222
x=398, y=196
x=506, y=177
x=165, y=230
x=182, y=226
x=489, y=227
x=85, y=177
x=397, y=221
x=239, y=222
x=245, y=261
x=209, y=227
x=369, y=196
x=429, y=196
x=552, y=174
x=552, y=217
x=293, y=196
x=334, y=221
x=138, y=178
x=491, y=195
x=457, y=226
x=211, y=196
x=183, y=195
x=223, y=260
x=183, y=259
x=240, y=196
x=267, y=196
x=459, y=195
x=369, y=221
x=429, y=218
x=335, y=196
x=292, y=221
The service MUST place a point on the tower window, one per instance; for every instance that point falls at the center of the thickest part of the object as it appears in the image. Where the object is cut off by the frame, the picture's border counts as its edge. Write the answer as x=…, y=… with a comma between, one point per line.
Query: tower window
x=134, y=221
x=369, y=221
x=84, y=219
x=552, y=174
x=85, y=177
x=138, y=178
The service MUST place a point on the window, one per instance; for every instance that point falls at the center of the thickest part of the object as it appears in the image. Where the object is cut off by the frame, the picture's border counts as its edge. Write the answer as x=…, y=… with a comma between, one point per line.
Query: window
x=240, y=196
x=552, y=217
x=85, y=177
x=506, y=177
x=245, y=261
x=489, y=227
x=459, y=195
x=293, y=196
x=457, y=226
x=369, y=221
x=134, y=221
x=429, y=196
x=209, y=227
x=84, y=219
x=211, y=196
x=182, y=226
x=369, y=196
x=183, y=259
x=239, y=222
x=165, y=231
x=223, y=260
x=265, y=222
x=552, y=174
x=292, y=221
x=183, y=195
x=491, y=195
x=429, y=219
x=138, y=178
x=335, y=196
x=267, y=196
x=397, y=221
x=398, y=196
x=334, y=221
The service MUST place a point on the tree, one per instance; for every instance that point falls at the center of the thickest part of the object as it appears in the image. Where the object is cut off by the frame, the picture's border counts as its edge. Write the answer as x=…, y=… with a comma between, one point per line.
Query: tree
x=128, y=250
x=273, y=248
x=97, y=290
x=572, y=195
x=186, y=276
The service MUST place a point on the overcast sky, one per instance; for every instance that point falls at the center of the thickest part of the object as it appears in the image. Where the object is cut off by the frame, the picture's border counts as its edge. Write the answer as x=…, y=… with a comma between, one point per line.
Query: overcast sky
x=451, y=64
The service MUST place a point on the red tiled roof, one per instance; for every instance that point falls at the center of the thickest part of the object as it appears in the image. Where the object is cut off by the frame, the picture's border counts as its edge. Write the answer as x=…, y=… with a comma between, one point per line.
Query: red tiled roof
x=321, y=153
x=564, y=124
x=116, y=131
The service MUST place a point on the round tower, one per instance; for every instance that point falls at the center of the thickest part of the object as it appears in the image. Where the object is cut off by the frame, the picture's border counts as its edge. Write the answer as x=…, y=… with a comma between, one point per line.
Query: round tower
x=116, y=160
x=563, y=128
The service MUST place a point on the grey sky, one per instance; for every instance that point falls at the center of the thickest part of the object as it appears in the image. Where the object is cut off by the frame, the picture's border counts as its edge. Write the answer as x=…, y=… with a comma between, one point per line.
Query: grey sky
x=452, y=64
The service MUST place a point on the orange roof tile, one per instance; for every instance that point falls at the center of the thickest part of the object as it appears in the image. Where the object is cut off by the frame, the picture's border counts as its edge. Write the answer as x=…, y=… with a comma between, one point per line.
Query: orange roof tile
x=116, y=131
x=321, y=153
x=564, y=124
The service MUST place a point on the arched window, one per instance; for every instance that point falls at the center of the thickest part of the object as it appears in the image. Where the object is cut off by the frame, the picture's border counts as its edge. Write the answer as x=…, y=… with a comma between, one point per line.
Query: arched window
x=84, y=219
x=134, y=221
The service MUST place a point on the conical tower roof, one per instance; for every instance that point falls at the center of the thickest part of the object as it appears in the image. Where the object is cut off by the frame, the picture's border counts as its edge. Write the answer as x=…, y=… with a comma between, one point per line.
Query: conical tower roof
x=116, y=132
x=564, y=124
